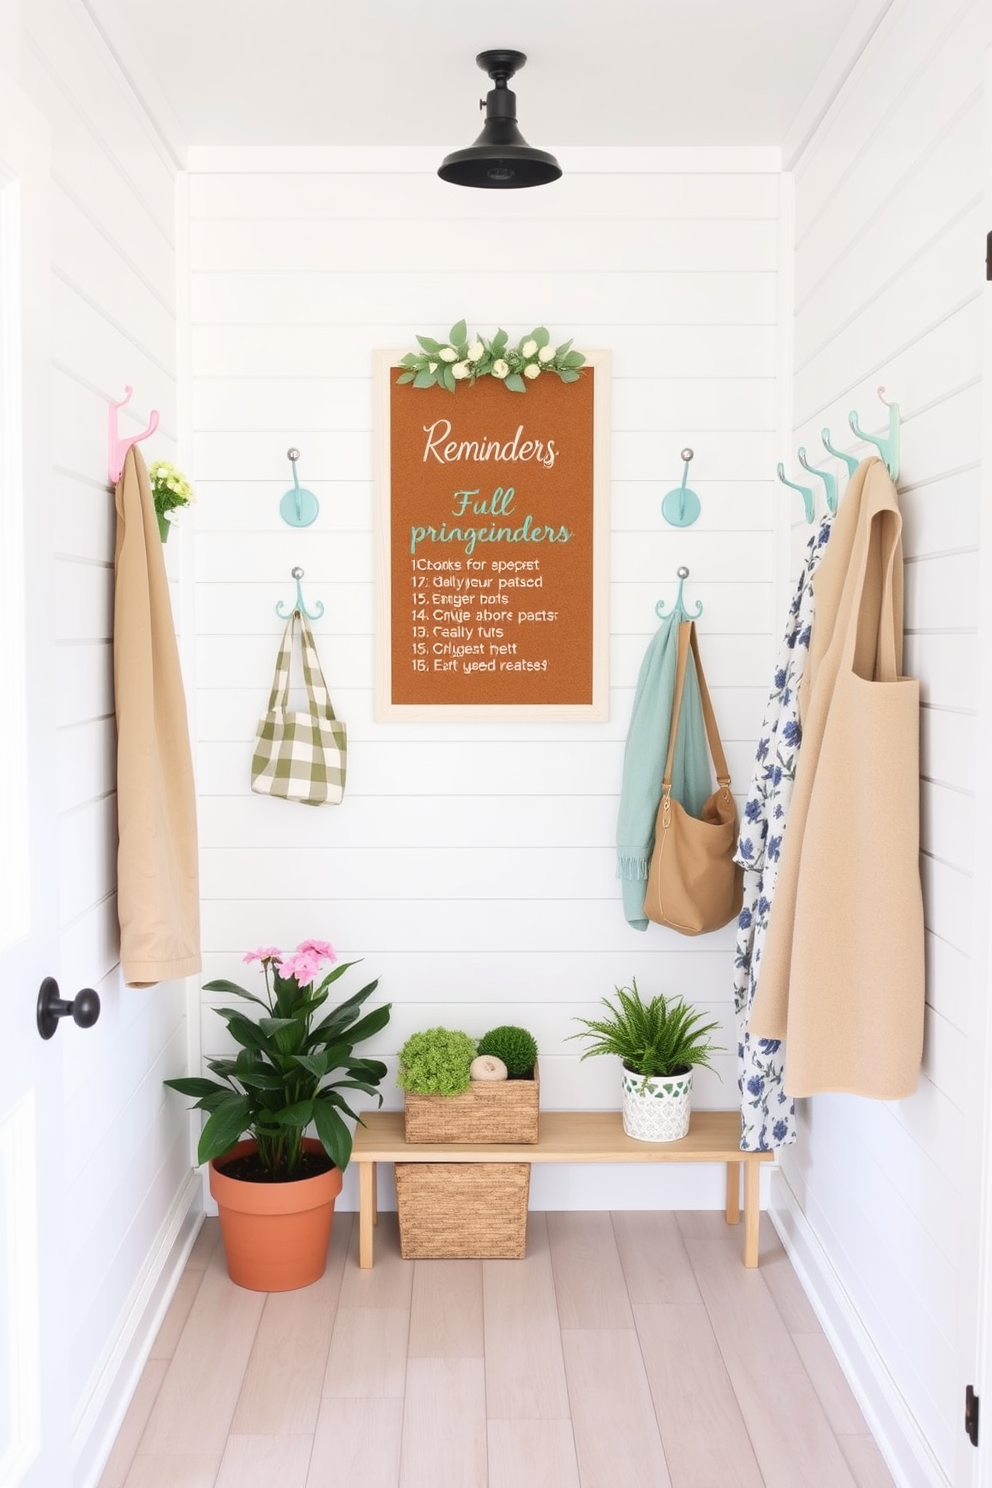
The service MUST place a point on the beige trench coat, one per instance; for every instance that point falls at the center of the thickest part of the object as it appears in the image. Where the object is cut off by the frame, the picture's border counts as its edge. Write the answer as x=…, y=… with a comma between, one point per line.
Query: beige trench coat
x=158, y=902
x=842, y=972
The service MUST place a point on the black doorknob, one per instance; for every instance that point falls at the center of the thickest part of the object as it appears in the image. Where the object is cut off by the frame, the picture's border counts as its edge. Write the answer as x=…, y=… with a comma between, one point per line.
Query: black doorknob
x=83, y=1010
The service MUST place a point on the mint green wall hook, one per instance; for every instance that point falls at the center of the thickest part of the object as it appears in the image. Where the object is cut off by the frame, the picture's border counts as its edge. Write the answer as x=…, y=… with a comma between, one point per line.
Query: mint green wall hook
x=850, y=461
x=888, y=447
x=828, y=478
x=285, y=613
x=679, y=611
x=681, y=506
x=298, y=507
x=804, y=491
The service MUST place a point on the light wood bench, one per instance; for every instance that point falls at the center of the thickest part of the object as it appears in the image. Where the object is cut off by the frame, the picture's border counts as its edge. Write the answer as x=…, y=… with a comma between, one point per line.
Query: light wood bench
x=567, y=1137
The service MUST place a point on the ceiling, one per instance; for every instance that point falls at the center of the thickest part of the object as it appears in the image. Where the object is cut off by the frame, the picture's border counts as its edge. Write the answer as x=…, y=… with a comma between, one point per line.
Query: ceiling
x=381, y=72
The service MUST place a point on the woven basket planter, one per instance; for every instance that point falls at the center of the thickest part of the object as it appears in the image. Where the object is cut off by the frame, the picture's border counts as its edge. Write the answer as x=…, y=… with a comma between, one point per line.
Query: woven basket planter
x=490, y=1111
x=462, y=1211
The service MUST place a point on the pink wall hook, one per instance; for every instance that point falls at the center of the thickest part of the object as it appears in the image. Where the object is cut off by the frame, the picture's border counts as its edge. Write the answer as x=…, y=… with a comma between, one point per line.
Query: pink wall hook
x=117, y=448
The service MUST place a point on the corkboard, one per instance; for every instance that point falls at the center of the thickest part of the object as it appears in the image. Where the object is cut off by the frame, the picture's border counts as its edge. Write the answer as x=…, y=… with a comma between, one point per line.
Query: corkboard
x=492, y=535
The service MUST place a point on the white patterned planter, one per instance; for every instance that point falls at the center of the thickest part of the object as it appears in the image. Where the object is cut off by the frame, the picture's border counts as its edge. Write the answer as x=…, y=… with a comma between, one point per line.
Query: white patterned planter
x=656, y=1110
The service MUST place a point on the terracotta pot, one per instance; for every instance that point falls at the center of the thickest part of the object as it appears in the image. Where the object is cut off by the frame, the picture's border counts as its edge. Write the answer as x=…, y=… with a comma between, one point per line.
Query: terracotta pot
x=275, y=1234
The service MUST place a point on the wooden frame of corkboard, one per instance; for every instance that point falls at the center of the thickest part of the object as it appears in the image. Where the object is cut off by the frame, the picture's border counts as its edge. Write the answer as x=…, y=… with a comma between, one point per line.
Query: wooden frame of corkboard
x=492, y=533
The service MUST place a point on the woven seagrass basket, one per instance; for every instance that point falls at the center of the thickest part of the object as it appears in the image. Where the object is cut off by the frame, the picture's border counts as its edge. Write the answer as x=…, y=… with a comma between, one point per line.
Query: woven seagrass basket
x=462, y=1211
x=489, y=1111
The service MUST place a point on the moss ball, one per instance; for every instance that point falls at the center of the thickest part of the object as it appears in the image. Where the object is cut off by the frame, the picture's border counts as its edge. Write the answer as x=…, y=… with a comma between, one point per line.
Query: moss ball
x=515, y=1046
x=436, y=1062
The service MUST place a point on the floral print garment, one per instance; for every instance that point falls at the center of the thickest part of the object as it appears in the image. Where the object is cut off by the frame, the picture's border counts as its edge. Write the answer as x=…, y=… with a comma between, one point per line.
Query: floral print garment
x=768, y=1115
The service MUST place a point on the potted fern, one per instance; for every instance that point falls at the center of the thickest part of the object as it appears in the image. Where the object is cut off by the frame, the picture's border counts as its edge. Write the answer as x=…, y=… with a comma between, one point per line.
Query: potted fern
x=276, y=1187
x=659, y=1044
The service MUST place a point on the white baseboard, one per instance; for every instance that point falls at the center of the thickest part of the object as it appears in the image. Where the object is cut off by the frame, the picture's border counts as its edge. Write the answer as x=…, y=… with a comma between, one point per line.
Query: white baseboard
x=116, y=1377
x=907, y=1453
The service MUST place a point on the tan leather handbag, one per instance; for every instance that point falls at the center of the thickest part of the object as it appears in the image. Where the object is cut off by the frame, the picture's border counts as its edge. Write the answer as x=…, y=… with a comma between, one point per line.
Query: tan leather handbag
x=694, y=885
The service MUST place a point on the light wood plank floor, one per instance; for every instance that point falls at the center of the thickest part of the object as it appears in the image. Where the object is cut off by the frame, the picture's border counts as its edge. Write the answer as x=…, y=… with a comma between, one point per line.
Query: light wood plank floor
x=629, y=1348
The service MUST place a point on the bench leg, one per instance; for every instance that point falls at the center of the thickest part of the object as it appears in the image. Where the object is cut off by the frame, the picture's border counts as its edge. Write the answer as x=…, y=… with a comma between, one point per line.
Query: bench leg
x=733, y=1193
x=752, y=1211
x=366, y=1213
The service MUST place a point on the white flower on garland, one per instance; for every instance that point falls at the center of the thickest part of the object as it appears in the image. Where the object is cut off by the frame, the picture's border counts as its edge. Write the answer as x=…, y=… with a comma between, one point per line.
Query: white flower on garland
x=440, y=364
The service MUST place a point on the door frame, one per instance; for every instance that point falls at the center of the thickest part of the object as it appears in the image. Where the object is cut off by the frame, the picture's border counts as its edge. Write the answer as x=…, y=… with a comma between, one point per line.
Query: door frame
x=974, y=1465
x=37, y=1447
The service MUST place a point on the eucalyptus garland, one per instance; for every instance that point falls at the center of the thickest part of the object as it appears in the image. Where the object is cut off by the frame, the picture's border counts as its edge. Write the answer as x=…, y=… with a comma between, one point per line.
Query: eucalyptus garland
x=447, y=363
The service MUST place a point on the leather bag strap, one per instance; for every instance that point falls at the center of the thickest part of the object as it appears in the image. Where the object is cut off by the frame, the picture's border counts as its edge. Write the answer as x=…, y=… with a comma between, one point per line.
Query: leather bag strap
x=673, y=728
x=687, y=640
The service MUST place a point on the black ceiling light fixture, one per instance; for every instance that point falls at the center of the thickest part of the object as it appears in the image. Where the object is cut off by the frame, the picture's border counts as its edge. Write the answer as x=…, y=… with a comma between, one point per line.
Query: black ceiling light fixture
x=501, y=158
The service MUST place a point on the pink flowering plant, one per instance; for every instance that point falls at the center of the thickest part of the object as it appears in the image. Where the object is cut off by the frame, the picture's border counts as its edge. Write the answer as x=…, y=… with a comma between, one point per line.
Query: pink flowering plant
x=291, y=1068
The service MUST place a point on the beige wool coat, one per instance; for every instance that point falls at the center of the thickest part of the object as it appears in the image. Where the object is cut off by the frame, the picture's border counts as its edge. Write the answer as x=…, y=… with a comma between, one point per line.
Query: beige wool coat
x=158, y=901
x=842, y=970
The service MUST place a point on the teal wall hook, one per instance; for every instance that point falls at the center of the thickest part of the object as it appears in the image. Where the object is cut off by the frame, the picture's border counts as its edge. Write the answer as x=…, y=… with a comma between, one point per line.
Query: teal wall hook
x=804, y=491
x=850, y=461
x=678, y=610
x=285, y=613
x=298, y=507
x=887, y=445
x=828, y=478
x=681, y=507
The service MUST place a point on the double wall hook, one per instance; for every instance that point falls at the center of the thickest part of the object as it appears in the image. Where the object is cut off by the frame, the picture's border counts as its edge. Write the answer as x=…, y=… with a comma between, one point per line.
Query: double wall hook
x=887, y=445
x=827, y=476
x=298, y=507
x=117, y=447
x=678, y=610
x=850, y=461
x=804, y=491
x=284, y=614
x=681, y=507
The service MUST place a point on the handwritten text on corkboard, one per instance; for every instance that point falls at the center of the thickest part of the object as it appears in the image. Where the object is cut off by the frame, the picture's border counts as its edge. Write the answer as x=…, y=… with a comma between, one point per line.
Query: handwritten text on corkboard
x=492, y=549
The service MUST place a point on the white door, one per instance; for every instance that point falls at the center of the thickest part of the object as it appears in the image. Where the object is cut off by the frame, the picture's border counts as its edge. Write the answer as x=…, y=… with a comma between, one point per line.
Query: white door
x=34, y=1429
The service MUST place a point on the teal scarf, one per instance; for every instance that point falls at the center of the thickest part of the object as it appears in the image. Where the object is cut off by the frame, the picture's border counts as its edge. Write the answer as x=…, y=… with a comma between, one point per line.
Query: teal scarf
x=644, y=763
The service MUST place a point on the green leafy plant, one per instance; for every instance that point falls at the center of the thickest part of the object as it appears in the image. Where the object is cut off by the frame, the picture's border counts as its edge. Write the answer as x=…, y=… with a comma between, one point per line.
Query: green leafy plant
x=170, y=490
x=290, y=1070
x=515, y=1046
x=460, y=359
x=436, y=1062
x=655, y=1039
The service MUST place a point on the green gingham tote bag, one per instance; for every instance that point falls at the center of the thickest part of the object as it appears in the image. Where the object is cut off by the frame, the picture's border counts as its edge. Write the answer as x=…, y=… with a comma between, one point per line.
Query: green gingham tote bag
x=300, y=756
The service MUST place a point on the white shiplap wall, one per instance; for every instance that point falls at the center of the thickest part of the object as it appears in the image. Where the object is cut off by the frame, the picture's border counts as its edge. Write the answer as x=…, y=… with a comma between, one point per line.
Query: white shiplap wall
x=472, y=865
x=889, y=247
x=113, y=288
